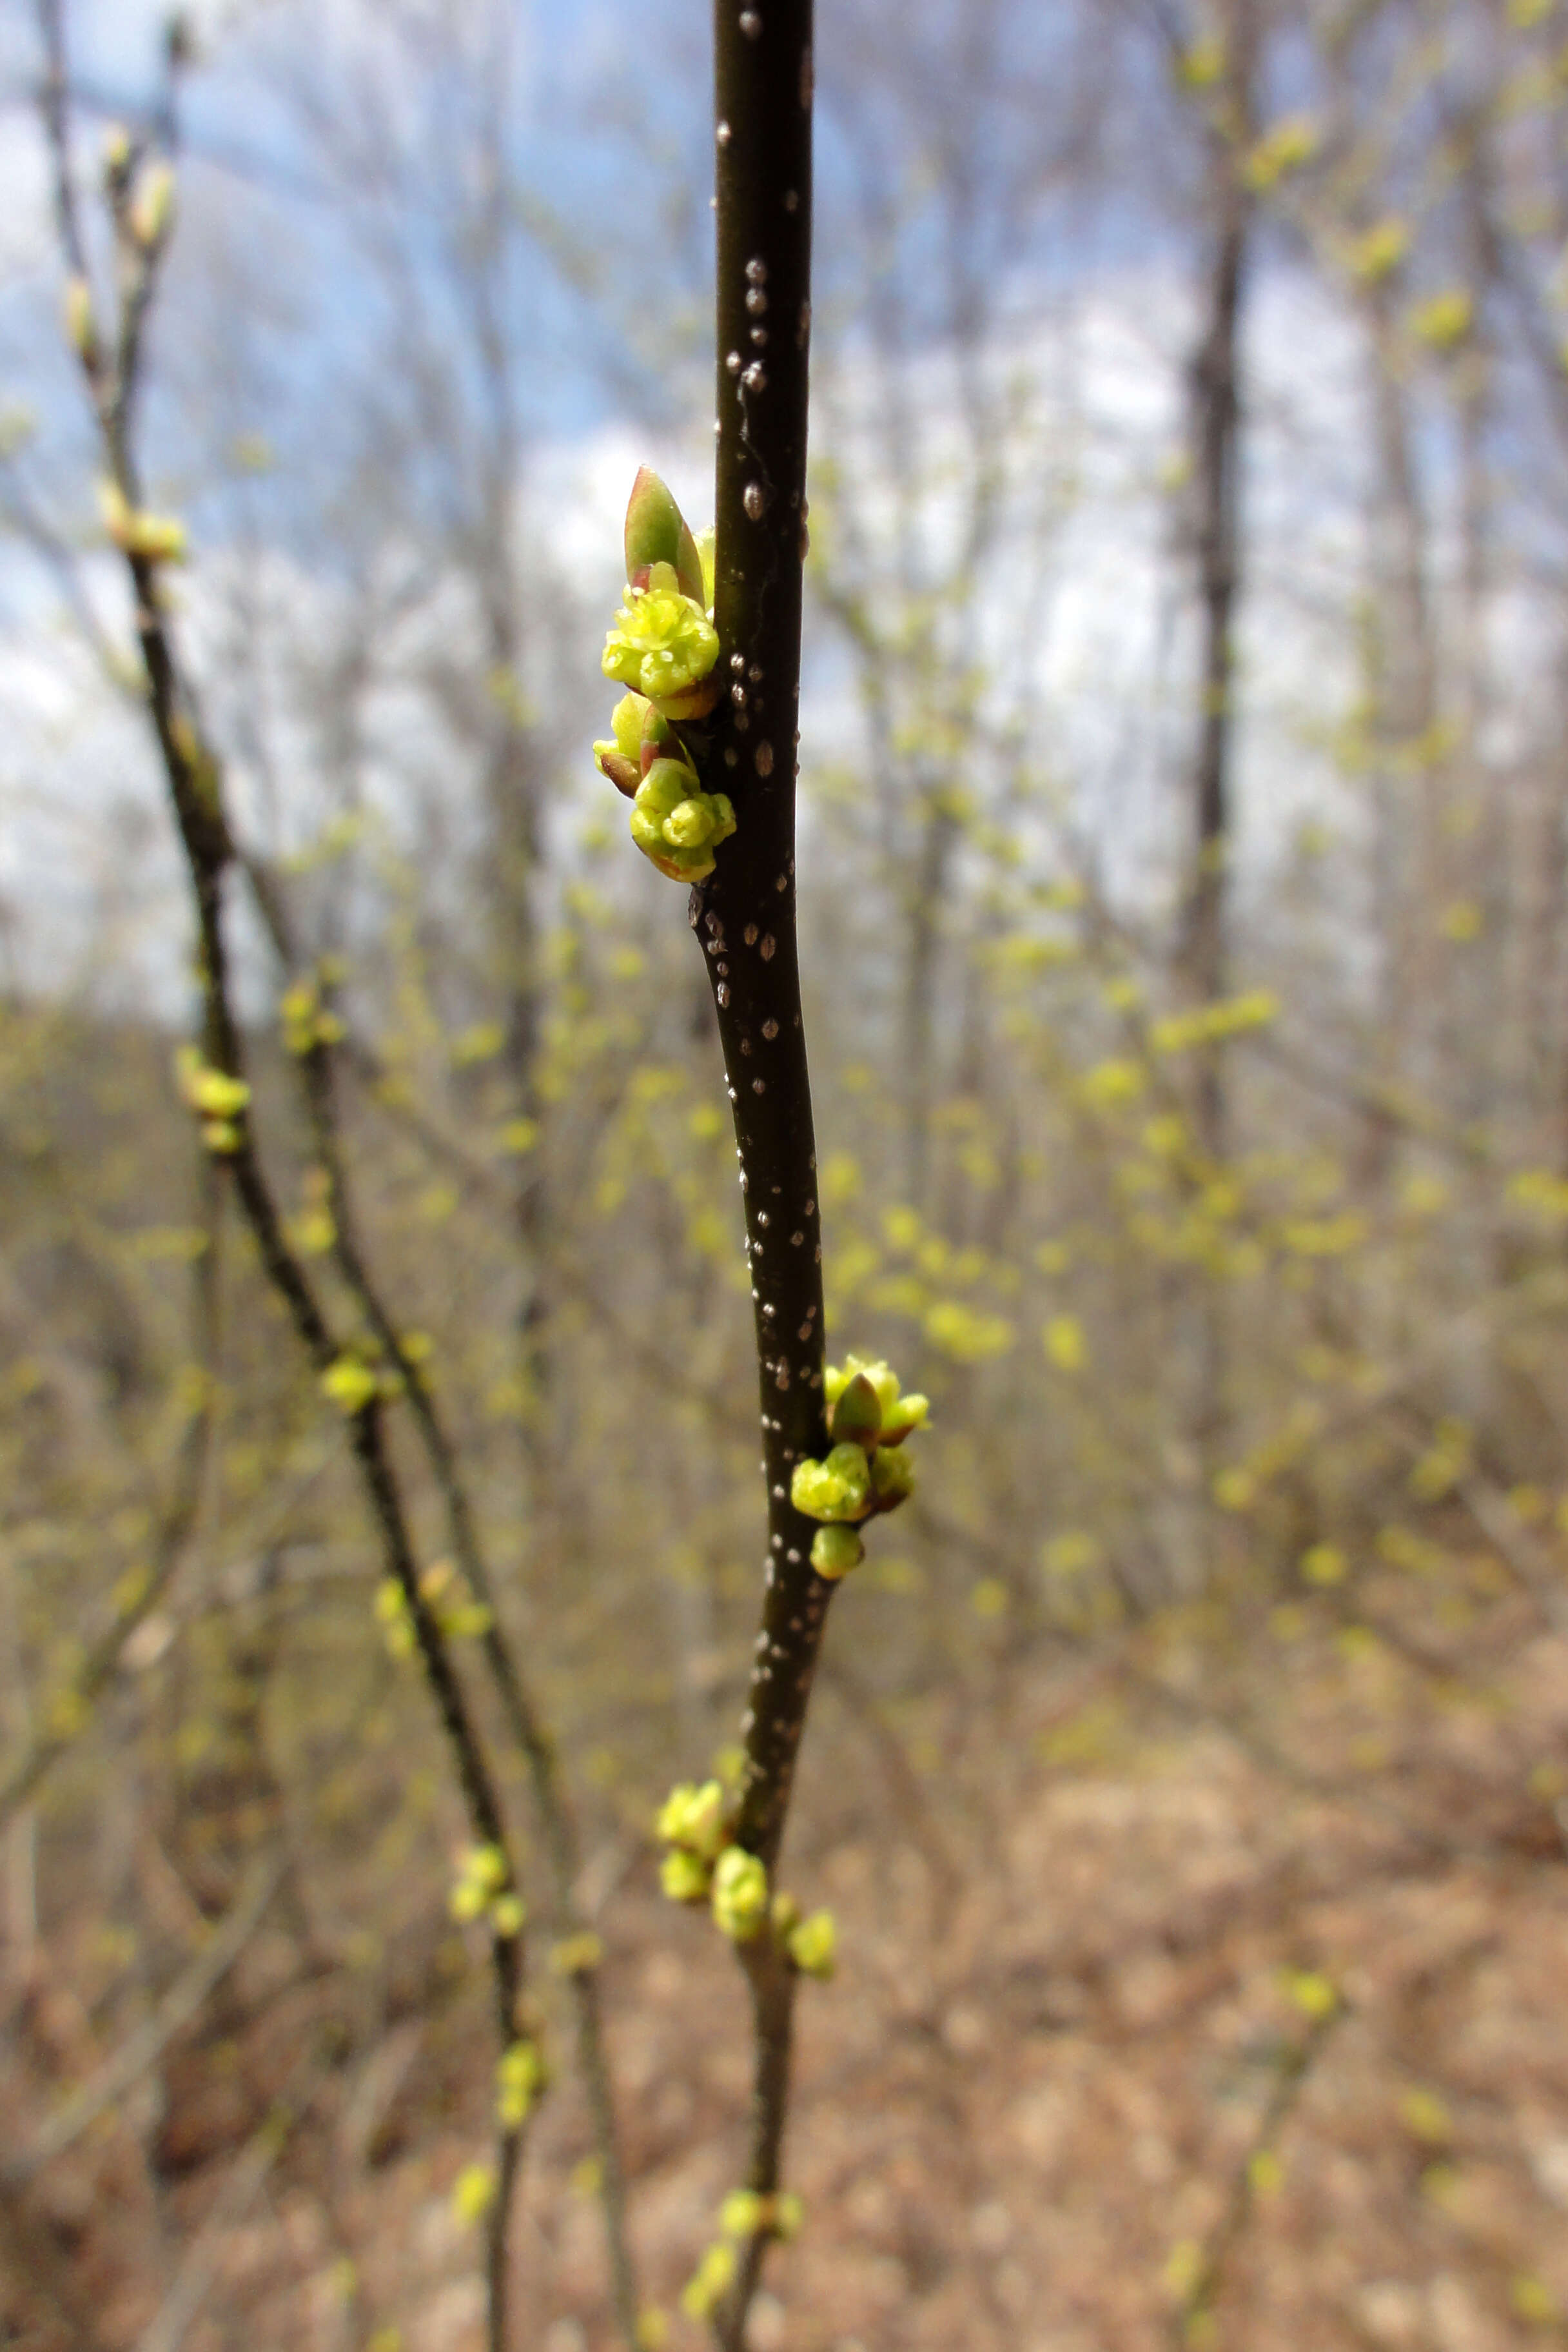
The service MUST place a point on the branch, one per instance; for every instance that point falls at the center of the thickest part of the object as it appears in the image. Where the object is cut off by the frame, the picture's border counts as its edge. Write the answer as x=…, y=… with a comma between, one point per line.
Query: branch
x=744, y=917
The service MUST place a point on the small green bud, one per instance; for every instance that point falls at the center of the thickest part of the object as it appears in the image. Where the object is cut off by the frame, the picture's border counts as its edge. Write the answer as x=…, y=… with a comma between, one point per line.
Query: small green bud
x=487, y=1863
x=157, y=539
x=789, y=2216
x=693, y=1818
x=784, y=1912
x=473, y=2193
x=620, y=759
x=743, y=2214
x=838, y=1488
x=857, y=1412
x=349, y=1384
x=683, y=1876
x=814, y=1945
x=466, y=1901
x=910, y=1412
x=153, y=207
x=740, y=1893
x=714, y=2276
x=507, y=1916
x=892, y=1478
x=675, y=823
x=835, y=1550
x=81, y=329
x=520, y=2077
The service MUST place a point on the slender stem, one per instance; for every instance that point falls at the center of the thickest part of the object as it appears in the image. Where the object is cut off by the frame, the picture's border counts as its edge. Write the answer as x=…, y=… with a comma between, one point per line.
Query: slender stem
x=523, y=1717
x=744, y=914
x=745, y=917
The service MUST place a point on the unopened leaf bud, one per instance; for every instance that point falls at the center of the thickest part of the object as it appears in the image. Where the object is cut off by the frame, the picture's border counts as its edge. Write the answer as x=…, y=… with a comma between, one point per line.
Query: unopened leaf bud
x=657, y=532
x=857, y=1413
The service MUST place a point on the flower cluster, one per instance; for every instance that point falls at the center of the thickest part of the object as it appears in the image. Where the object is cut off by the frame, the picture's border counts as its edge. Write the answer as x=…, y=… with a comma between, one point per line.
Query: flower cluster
x=218, y=1100
x=703, y=1866
x=664, y=647
x=745, y=2213
x=445, y=1592
x=865, y=1473
x=483, y=1889
x=520, y=2078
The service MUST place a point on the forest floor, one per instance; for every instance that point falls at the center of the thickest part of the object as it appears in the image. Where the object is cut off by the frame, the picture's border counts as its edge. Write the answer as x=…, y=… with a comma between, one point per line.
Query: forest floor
x=1193, y=1990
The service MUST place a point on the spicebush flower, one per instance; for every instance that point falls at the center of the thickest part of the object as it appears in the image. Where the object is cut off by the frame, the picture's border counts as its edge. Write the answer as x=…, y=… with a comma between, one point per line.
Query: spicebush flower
x=837, y=1489
x=740, y=1893
x=694, y=1818
x=814, y=1945
x=865, y=1473
x=664, y=645
x=675, y=823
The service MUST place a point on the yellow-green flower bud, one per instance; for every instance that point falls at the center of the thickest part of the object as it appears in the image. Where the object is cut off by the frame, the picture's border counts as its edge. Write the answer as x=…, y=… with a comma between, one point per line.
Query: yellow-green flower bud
x=487, y=1866
x=714, y=2276
x=837, y=1488
x=656, y=533
x=743, y=2214
x=857, y=1412
x=784, y=1912
x=694, y=1818
x=158, y=538
x=677, y=825
x=892, y=1478
x=814, y=1945
x=707, y=550
x=520, y=2077
x=835, y=1550
x=740, y=1893
x=473, y=2192
x=467, y=1901
x=789, y=2214
x=663, y=644
x=684, y=1876
x=910, y=1412
x=153, y=207
x=507, y=1914
x=349, y=1384
x=80, y=327
x=620, y=759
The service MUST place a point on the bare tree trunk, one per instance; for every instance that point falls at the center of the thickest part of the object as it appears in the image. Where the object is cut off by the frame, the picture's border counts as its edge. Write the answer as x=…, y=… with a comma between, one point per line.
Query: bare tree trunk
x=1217, y=435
